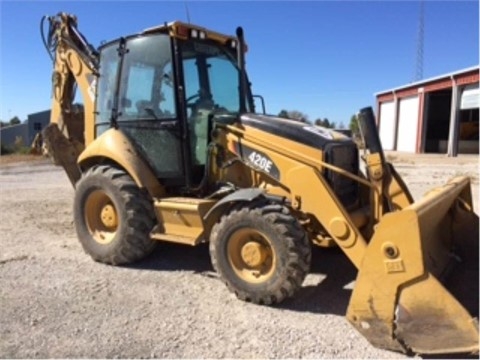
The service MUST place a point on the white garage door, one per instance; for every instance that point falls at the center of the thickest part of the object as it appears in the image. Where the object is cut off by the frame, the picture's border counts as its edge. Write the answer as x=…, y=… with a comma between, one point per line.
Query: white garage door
x=407, y=124
x=470, y=97
x=387, y=124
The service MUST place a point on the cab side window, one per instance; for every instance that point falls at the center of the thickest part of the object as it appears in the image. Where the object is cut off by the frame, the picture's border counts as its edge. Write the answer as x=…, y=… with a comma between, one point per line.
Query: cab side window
x=146, y=88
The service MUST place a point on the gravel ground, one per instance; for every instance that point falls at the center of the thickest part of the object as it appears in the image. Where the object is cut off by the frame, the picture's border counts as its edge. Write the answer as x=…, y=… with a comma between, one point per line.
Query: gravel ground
x=55, y=302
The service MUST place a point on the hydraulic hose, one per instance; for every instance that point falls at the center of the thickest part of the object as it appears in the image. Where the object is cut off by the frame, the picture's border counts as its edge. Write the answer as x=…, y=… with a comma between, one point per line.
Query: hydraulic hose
x=75, y=40
x=49, y=47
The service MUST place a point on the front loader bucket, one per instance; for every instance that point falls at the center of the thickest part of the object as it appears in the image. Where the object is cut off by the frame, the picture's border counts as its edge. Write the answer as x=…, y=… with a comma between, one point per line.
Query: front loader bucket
x=417, y=288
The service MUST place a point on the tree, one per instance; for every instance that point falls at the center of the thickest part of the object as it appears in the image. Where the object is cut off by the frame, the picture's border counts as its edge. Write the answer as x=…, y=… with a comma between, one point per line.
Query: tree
x=297, y=115
x=293, y=115
x=354, y=126
x=283, y=114
x=15, y=121
x=325, y=123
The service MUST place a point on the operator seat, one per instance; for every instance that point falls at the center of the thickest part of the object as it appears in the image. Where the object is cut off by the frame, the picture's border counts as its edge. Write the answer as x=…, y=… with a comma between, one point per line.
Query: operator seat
x=200, y=130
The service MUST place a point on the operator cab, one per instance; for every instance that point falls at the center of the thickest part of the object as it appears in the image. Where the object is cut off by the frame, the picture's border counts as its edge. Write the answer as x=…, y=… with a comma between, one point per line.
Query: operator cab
x=161, y=88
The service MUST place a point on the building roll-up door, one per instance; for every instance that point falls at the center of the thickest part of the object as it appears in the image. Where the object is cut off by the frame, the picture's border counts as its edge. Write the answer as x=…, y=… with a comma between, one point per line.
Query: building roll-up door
x=470, y=97
x=408, y=124
x=387, y=125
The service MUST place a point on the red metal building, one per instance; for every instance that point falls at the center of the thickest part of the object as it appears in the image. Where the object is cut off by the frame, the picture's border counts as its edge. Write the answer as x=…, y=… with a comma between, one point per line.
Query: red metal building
x=436, y=115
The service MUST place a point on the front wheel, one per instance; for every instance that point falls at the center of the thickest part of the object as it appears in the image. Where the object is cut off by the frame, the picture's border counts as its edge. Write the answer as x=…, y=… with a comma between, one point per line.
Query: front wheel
x=261, y=252
x=113, y=217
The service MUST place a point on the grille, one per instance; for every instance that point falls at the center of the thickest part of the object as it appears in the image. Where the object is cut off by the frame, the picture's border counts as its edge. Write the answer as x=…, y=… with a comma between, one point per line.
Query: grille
x=344, y=156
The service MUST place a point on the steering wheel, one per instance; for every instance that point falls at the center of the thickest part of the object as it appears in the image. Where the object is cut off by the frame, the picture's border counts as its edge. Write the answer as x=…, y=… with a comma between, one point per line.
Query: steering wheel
x=189, y=100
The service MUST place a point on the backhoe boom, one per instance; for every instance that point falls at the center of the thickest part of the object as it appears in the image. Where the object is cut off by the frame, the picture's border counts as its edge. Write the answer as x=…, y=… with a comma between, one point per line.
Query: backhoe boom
x=75, y=65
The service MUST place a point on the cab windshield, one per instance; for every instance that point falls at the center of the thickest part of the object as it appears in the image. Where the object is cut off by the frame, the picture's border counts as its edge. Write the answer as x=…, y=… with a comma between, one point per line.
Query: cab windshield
x=211, y=77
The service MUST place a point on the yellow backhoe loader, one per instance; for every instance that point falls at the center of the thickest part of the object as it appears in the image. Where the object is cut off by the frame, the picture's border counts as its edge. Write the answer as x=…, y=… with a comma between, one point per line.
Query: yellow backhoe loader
x=168, y=147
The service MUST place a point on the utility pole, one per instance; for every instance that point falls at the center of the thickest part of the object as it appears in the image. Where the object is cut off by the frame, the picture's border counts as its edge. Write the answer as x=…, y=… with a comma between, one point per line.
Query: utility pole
x=186, y=10
x=420, y=35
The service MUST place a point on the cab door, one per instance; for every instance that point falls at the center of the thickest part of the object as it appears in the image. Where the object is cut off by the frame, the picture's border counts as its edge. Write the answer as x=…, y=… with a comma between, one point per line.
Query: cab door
x=136, y=94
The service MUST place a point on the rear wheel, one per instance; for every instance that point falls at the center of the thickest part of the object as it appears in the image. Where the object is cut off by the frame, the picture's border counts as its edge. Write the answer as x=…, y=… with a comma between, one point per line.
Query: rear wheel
x=113, y=217
x=261, y=252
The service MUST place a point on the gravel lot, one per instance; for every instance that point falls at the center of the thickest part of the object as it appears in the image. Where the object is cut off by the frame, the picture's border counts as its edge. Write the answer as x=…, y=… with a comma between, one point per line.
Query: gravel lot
x=55, y=302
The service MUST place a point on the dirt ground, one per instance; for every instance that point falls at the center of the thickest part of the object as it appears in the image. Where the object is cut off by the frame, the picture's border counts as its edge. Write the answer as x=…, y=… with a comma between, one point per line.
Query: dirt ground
x=55, y=302
x=15, y=158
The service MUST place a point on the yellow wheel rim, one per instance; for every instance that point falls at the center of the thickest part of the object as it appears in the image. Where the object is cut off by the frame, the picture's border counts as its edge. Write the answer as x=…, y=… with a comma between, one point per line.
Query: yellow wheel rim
x=101, y=217
x=251, y=255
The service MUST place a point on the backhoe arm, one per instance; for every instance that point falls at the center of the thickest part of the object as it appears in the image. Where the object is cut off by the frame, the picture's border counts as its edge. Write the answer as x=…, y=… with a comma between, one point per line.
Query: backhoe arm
x=75, y=63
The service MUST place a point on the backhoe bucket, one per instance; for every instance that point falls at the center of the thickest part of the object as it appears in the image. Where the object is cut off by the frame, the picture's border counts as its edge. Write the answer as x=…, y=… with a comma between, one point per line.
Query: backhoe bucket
x=417, y=287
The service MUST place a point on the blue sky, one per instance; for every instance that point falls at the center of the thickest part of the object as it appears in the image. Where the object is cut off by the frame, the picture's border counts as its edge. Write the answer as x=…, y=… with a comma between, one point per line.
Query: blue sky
x=324, y=58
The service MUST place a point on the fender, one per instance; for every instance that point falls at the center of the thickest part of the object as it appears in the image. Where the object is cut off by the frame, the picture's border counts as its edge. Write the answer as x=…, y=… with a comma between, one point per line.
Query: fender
x=115, y=146
x=244, y=195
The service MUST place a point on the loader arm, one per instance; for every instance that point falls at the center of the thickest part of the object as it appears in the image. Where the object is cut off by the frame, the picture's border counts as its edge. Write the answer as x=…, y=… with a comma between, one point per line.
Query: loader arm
x=75, y=64
x=295, y=171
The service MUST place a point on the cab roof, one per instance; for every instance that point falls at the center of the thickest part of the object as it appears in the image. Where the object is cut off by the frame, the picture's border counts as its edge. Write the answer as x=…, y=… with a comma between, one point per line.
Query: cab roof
x=183, y=30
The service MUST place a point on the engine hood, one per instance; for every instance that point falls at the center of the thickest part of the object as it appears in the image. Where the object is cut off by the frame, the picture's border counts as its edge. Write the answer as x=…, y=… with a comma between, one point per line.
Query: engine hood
x=308, y=134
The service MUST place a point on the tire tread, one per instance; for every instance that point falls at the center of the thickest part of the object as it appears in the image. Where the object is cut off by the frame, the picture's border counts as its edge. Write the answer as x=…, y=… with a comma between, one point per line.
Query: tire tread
x=135, y=243
x=289, y=229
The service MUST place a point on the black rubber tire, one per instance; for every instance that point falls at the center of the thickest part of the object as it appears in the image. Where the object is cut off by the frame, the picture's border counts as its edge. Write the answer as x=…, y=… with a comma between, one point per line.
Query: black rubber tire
x=134, y=209
x=289, y=243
